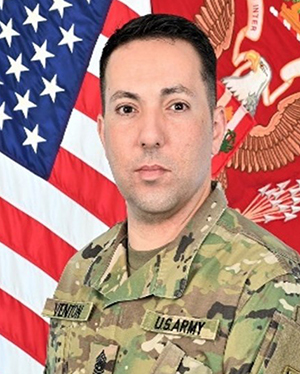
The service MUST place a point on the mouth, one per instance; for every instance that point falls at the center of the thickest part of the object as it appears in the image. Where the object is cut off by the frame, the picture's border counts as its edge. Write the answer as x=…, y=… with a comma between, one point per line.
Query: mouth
x=151, y=172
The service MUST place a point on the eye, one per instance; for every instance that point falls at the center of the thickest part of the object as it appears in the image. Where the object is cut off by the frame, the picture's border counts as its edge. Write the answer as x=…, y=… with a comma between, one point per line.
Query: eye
x=125, y=109
x=179, y=107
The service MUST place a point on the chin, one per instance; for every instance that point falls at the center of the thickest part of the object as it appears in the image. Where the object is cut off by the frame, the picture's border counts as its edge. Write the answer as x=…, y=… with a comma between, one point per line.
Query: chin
x=155, y=206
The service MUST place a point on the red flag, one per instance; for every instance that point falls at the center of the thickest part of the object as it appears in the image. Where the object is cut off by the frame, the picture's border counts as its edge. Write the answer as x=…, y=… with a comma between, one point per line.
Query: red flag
x=257, y=45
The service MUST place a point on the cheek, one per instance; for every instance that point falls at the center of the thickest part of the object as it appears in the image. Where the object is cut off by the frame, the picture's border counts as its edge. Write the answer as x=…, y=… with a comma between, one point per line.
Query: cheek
x=193, y=145
x=115, y=142
x=193, y=154
x=118, y=153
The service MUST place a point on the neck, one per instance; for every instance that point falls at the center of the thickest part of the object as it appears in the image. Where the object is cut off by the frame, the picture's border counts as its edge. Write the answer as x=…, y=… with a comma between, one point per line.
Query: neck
x=146, y=235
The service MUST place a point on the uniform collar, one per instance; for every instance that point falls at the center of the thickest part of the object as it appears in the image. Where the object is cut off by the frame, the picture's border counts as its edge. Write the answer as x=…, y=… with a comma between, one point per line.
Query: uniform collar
x=166, y=274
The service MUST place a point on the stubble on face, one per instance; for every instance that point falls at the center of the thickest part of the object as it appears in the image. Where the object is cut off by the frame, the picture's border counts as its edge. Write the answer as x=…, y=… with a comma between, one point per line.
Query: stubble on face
x=155, y=201
x=186, y=154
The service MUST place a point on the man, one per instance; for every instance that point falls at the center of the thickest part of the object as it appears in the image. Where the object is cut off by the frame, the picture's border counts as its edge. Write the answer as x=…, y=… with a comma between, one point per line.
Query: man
x=186, y=285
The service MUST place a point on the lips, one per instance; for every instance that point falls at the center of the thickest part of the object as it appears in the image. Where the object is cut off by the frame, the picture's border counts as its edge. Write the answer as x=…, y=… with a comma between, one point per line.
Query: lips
x=151, y=168
x=151, y=172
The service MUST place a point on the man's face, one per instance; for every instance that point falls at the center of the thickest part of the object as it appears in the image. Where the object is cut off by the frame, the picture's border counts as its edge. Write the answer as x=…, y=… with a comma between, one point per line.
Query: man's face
x=158, y=131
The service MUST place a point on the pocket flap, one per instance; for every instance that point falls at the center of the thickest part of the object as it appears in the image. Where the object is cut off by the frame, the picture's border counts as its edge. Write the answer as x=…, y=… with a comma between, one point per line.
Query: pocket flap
x=174, y=360
x=67, y=310
x=169, y=359
x=191, y=366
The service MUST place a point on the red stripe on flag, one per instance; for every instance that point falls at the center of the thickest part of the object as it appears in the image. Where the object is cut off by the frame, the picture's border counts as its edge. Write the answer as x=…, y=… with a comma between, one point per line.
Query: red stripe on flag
x=88, y=100
x=220, y=89
x=44, y=249
x=117, y=16
x=98, y=194
x=23, y=327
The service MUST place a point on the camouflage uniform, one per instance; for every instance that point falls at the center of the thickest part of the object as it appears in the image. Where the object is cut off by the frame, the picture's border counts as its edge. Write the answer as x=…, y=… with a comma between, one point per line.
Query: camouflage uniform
x=222, y=298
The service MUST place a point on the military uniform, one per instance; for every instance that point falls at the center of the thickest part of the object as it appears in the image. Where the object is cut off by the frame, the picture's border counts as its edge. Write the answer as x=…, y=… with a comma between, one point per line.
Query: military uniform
x=222, y=298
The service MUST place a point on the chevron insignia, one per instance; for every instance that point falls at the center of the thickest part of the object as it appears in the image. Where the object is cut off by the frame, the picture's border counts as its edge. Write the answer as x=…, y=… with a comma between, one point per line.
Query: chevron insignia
x=100, y=363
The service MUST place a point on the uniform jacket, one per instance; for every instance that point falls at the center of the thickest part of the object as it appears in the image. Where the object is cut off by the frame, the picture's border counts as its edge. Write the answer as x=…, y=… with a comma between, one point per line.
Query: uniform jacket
x=222, y=298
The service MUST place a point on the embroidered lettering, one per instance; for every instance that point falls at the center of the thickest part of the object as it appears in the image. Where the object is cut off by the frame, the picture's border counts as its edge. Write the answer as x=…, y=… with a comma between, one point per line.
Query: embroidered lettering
x=56, y=308
x=187, y=326
x=184, y=325
x=76, y=311
x=159, y=322
x=64, y=310
x=180, y=325
x=176, y=326
x=168, y=324
x=192, y=327
x=200, y=325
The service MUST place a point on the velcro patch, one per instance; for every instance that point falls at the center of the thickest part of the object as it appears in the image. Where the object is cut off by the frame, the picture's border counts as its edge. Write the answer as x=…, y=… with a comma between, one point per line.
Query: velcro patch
x=202, y=328
x=105, y=358
x=72, y=311
x=290, y=370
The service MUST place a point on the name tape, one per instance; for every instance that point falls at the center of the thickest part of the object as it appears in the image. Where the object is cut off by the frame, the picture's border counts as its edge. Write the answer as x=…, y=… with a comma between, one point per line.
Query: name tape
x=72, y=311
x=202, y=328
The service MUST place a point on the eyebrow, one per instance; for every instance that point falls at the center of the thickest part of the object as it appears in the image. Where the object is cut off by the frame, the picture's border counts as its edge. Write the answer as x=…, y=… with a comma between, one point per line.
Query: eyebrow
x=176, y=89
x=120, y=94
x=124, y=94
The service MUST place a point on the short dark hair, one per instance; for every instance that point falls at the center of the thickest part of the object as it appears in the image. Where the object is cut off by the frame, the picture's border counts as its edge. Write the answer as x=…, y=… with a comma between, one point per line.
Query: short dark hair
x=164, y=26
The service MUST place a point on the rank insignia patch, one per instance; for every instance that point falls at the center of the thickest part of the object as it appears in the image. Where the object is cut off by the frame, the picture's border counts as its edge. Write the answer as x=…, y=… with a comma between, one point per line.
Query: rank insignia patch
x=100, y=363
x=103, y=362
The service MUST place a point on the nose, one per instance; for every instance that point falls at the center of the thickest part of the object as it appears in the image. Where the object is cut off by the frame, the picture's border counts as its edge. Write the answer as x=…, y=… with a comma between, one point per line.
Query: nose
x=152, y=130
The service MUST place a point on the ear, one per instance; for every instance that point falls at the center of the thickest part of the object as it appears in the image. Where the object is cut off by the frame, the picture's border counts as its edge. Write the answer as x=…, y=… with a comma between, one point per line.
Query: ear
x=219, y=128
x=100, y=128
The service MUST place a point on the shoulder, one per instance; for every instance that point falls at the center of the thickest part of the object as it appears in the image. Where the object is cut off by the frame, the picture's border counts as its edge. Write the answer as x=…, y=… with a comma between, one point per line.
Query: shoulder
x=265, y=256
x=247, y=229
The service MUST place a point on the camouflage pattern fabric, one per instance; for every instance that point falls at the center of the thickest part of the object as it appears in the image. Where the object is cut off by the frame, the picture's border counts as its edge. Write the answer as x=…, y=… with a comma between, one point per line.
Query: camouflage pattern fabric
x=222, y=298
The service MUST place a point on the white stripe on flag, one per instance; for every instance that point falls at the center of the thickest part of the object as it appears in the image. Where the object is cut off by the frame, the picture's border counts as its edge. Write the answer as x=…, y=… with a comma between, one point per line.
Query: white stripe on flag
x=29, y=284
x=82, y=140
x=225, y=98
x=39, y=199
x=93, y=67
x=236, y=118
x=15, y=361
x=141, y=7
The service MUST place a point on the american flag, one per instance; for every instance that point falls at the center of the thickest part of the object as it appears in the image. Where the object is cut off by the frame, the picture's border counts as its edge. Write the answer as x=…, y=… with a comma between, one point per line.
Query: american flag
x=56, y=188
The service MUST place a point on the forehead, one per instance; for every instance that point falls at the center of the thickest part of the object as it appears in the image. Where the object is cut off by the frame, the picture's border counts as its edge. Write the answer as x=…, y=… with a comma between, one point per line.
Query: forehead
x=153, y=59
